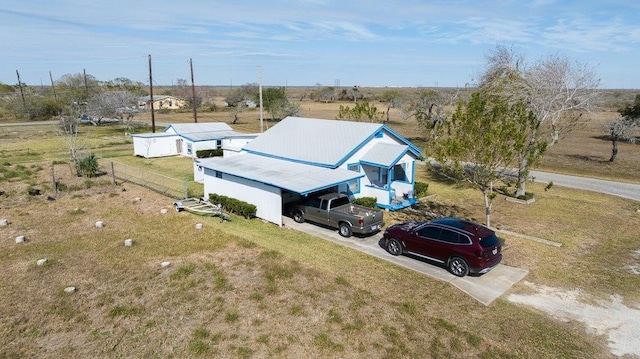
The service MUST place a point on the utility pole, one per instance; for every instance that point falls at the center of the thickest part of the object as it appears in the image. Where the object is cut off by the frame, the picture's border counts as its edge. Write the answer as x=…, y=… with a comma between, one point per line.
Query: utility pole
x=260, y=92
x=193, y=94
x=153, y=118
x=53, y=87
x=24, y=102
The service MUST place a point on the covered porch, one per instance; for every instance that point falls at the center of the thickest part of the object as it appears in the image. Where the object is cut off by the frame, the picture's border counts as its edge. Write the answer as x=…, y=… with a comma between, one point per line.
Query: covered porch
x=389, y=176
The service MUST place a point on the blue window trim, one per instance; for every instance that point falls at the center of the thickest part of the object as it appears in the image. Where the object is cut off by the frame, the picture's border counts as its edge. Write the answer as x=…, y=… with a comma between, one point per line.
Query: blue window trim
x=356, y=168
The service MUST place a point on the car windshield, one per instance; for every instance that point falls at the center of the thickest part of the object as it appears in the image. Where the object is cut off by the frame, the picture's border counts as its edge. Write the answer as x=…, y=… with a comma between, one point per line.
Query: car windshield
x=489, y=241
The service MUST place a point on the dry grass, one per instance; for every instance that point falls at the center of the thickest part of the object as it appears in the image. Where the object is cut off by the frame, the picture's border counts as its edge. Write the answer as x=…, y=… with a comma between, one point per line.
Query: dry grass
x=234, y=289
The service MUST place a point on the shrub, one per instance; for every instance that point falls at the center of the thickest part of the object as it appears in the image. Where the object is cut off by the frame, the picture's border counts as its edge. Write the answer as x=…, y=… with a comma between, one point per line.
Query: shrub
x=369, y=202
x=247, y=210
x=209, y=153
x=420, y=189
x=87, y=166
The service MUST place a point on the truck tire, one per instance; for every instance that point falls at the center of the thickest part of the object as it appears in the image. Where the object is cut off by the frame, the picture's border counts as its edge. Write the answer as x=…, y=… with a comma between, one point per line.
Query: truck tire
x=298, y=216
x=345, y=230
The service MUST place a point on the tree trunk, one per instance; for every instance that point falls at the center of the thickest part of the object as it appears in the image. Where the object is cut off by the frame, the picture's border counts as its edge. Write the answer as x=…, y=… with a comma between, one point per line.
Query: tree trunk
x=614, y=148
x=487, y=208
x=523, y=173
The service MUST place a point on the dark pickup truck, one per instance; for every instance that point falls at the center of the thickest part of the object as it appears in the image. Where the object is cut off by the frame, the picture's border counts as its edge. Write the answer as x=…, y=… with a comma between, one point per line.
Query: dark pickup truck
x=336, y=211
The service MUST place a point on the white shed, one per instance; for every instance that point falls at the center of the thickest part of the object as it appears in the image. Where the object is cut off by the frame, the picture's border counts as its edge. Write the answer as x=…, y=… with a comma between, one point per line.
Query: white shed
x=187, y=139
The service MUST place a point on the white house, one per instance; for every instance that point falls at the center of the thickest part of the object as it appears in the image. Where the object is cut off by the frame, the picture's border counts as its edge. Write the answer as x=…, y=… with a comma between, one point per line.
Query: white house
x=301, y=157
x=187, y=139
x=162, y=102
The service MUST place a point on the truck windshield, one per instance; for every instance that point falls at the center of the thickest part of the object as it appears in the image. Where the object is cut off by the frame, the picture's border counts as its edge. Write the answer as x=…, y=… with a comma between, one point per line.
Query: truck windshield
x=337, y=202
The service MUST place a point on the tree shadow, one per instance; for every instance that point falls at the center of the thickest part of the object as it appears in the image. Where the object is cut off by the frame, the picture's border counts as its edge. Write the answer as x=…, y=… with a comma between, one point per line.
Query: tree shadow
x=589, y=158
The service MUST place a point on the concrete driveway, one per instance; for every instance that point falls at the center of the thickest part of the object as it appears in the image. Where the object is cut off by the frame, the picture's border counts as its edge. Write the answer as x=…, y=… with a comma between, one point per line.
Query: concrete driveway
x=484, y=288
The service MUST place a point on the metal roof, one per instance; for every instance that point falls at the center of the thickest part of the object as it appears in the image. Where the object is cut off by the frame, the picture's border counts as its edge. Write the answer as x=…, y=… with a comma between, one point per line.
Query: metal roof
x=384, y=154
x=292, y=176
x=319, y=142
x=190, y=128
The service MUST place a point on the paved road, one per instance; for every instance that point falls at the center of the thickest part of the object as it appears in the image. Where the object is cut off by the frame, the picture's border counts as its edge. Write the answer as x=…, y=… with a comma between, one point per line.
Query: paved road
x=625, y=190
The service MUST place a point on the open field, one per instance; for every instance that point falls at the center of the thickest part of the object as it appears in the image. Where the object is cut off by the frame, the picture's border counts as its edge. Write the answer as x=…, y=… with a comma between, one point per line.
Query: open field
x=250, y=289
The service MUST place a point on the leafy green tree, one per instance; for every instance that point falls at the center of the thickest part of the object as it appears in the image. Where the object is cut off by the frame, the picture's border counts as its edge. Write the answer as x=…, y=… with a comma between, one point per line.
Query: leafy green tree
x=361, y=111
x=481, y=142
x=246, y=92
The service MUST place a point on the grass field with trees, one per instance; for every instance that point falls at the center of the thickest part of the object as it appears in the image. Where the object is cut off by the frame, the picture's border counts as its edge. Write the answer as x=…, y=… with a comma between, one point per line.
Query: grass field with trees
x=246, y=288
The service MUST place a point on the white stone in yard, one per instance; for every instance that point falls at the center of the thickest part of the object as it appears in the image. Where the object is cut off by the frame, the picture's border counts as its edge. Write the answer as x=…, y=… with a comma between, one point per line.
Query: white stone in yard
x=41, y=262
x=198, y=225
x=165, y=264
x=20, y=239
x=99, y=224
x=163, y=211
x=70, y=289
x=128, y=242
x=4, y=222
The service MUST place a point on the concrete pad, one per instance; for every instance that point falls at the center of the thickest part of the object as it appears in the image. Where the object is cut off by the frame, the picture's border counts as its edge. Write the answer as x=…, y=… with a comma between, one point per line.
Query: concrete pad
x=484, y=288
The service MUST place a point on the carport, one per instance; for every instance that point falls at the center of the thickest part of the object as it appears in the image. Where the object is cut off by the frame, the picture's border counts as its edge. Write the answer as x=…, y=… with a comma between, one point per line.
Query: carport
x=270, y=183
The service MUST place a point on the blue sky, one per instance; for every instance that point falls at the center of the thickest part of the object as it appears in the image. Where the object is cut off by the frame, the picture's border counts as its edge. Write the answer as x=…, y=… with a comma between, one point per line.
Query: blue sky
x=309, y=42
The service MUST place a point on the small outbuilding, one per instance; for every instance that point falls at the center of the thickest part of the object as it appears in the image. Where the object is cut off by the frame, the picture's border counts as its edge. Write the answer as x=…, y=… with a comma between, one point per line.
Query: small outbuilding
x=187, y=139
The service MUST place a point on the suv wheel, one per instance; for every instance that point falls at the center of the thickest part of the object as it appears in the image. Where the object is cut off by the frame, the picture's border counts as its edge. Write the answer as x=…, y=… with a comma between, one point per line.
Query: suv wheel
x=458, y=267
x=394, y=247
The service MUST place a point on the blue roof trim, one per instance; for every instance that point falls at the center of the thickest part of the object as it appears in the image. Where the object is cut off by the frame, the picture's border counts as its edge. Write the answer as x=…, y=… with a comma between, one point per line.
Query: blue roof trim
x=290, y=160
x=415, y=149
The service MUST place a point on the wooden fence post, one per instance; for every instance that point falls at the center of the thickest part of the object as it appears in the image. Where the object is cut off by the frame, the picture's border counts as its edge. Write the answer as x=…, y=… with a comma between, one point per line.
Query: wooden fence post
x=113, y=175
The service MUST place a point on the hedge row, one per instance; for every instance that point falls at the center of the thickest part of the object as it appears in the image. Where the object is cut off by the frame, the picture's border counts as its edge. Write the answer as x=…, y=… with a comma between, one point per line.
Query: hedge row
x=209, y=153
x=369, y=202
x=247, y=210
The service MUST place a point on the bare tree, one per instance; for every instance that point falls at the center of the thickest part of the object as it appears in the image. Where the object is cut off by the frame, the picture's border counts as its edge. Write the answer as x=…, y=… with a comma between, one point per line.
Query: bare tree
x=557, y=90
x=119, y=104
x=619, y=129
x=394, y=99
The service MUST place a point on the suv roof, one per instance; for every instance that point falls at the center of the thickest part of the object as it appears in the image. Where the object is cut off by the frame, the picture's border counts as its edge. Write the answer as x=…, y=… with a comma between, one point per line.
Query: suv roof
x=463, y=225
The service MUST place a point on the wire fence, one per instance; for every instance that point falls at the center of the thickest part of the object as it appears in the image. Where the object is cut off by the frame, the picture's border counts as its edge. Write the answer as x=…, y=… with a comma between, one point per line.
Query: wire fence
x=170, y=187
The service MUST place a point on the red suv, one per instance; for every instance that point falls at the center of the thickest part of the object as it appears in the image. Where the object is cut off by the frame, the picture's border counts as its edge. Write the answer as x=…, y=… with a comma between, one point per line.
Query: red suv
x=462, y=246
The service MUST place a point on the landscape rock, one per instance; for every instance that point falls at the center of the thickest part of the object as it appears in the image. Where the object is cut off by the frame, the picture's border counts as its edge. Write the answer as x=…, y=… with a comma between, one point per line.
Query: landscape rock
x=20, y=239
x=128, y=242
x=70, y=290
x=165, y=264
x=41, y=262
x=4, y=222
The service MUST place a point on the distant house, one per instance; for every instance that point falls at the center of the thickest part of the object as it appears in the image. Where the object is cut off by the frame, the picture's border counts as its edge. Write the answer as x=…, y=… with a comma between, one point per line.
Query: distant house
x=187, y=139
x=301, y=157
x=162, y=103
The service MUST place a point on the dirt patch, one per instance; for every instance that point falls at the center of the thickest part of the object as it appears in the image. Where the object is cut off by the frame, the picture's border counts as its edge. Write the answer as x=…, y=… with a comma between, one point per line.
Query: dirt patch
x=611, y=317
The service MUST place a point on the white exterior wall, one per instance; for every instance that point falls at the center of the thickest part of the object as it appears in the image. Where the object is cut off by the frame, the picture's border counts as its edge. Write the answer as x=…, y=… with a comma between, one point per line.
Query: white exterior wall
x=150, y=147
x=232, y=146
x=266, y=198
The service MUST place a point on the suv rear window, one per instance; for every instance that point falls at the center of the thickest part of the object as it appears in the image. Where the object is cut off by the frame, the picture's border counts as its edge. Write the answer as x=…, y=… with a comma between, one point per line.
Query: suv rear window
x=489, y=241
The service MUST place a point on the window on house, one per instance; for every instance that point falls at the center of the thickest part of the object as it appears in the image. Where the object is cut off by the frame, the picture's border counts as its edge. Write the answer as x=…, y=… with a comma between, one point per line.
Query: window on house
x=189, y=148
x=354, y=186
x=399, y=173
x=218, y=174
x=219, y=144
x=384, y=176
